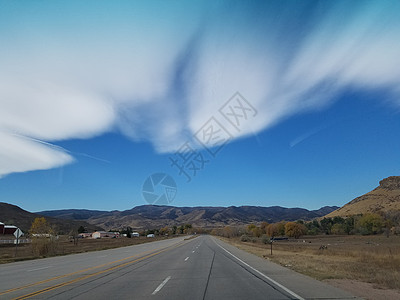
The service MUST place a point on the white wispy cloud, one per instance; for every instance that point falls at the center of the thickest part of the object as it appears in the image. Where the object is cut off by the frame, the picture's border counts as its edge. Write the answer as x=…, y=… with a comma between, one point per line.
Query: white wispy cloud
x=162, y=82
x=19, y=154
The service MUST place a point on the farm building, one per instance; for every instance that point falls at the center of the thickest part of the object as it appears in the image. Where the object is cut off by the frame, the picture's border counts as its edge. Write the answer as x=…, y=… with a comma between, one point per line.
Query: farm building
x=85, y=235
x=104, y=234
x=7, y=229
x=10, y=229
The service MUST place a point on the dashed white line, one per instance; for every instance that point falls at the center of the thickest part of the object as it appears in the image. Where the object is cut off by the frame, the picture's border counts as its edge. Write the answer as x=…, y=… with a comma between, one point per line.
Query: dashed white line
x=186, y=258
x=39, y=269
x=161, y=285
x=193, y=251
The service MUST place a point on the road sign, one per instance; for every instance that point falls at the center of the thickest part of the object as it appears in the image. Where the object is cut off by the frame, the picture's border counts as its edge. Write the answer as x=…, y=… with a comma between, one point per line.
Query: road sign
x=18, y=233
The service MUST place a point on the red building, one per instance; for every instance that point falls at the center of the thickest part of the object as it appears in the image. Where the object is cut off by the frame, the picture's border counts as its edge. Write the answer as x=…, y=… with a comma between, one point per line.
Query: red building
x=7, y=229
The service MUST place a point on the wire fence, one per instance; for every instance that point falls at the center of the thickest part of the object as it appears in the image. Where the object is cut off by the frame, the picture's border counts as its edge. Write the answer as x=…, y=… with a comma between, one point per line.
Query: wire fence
x=20, y=241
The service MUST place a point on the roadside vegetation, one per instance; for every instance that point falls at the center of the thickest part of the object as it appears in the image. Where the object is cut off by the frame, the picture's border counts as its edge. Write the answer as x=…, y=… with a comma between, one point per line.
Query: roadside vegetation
x=363, y=248
x=46, y=242
x=374, y=259
x=363, y=224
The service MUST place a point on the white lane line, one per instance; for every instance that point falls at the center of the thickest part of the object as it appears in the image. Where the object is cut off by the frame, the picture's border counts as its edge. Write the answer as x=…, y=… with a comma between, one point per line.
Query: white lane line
x=186, y=258
x=39, y=269
x=262, y=274
x=193, y=251
x=161, y=285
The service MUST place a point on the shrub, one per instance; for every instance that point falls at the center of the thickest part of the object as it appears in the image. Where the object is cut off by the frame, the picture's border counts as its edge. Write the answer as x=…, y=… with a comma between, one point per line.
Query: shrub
x=293, y=229
x=44, y=240
x=265, y=239
x=370, y=224
x=245, y=238
x=44, y=246
x=338, y=229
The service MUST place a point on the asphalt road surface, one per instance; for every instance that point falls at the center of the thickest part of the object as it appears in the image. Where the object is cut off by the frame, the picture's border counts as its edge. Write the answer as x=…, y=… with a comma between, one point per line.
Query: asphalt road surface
x=199, y=268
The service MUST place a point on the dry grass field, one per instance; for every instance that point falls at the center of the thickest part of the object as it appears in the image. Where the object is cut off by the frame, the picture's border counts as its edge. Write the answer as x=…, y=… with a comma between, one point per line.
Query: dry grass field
x=65, y=246
x=370, y=259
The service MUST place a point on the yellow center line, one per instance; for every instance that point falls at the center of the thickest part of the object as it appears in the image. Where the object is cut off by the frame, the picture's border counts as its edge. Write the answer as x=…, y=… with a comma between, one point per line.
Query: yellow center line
x=97, y=273
x=45, y=290
x=70, y=274
x=77, y=272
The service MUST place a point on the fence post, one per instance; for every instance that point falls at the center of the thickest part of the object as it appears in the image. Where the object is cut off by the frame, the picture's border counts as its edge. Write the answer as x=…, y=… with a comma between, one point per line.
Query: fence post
x=271, y=246
x=16, y=246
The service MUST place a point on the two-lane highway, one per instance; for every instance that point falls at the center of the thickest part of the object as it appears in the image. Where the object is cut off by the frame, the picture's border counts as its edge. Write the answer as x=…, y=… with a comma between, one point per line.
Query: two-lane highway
x=199, y=268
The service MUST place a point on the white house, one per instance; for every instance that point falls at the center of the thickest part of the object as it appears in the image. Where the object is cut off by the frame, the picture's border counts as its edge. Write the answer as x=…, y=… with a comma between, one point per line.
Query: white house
x=104, y=234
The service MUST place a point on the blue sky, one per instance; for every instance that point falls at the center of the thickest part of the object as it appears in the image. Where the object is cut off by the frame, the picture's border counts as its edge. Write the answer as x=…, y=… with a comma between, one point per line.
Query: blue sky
x=97, y=96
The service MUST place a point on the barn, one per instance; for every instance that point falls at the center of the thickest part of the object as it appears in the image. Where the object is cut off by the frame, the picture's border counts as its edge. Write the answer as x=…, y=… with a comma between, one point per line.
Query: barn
x=9, y=229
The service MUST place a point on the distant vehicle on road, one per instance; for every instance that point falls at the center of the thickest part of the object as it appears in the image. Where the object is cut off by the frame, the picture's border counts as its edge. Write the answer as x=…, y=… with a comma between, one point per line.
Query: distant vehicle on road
x=135, y=234
x=151, y=235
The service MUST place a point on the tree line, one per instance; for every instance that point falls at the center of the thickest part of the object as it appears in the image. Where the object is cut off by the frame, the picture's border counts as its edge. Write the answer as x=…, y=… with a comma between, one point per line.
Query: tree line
x=365, y=224
x=163, y=231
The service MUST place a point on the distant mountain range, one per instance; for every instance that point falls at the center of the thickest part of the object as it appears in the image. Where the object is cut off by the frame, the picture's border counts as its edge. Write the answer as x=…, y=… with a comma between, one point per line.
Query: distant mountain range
x=153, y=216
x=384, y=198
x=14, y=215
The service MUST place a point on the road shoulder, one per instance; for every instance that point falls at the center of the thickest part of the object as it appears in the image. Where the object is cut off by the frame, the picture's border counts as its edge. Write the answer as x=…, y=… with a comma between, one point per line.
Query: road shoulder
x=304, y=286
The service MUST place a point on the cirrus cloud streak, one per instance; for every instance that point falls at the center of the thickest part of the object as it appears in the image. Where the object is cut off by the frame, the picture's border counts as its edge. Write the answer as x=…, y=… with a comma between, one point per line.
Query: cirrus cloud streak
x=159, y=75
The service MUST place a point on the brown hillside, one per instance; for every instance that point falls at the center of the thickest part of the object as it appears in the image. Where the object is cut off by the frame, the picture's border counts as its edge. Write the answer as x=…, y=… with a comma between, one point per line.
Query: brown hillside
x=14, y=215
x=385, y=197
x=154, y=216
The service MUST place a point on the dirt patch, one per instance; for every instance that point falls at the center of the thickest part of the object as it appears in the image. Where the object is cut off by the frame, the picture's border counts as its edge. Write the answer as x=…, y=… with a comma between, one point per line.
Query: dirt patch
x=364, y=289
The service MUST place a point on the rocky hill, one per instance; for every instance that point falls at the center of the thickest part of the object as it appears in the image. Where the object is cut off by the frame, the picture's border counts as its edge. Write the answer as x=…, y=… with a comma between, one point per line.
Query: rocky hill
x=385, y=197
x=153, y=216
x=14, y=215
